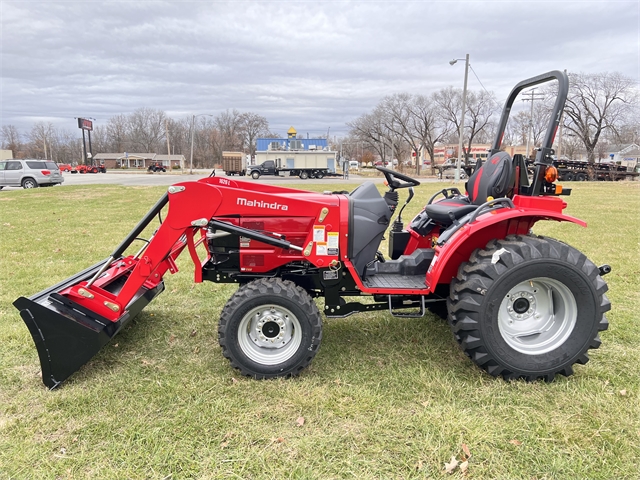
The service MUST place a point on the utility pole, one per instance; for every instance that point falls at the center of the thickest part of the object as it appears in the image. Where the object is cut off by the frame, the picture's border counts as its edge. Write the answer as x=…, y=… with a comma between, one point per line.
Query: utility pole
x=532, y=96
x=166, y=129
x=464, y=106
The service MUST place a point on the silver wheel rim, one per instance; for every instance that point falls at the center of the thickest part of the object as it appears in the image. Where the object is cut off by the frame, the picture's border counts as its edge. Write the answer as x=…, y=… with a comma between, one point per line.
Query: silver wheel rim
x=29, y=184
x=537, y=316
x=269, y=334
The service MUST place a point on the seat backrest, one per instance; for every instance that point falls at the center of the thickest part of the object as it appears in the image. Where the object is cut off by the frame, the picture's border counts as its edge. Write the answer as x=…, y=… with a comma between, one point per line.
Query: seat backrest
x=495, y=178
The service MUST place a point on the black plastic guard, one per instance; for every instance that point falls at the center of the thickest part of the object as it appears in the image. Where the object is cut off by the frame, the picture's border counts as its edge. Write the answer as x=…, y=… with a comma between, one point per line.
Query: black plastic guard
x=67, y=335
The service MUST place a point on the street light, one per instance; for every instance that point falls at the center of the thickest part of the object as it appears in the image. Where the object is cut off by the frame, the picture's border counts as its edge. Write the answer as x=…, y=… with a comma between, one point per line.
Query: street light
x=193, y=129
x=464, y=101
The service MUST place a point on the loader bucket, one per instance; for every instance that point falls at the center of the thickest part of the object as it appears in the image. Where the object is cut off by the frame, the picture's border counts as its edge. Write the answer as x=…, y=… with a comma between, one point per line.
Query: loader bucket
x=66, y=335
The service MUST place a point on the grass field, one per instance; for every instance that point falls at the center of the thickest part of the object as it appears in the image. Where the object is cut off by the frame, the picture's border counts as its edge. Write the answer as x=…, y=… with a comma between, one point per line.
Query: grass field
x=384, y=398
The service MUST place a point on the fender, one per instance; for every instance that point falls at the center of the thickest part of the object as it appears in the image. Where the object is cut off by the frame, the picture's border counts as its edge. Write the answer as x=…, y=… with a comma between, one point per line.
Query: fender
x=490, y=226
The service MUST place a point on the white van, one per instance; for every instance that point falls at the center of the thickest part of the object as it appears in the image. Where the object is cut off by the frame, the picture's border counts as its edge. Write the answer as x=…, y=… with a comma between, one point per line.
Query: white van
x=353, y=165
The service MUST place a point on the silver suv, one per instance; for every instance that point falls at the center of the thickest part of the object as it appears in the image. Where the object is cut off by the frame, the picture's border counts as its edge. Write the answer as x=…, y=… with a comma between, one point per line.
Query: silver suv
x=29, y=173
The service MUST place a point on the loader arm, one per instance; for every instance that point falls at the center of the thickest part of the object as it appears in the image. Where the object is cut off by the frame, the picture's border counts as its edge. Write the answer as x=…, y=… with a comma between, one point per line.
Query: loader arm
x=71, y=321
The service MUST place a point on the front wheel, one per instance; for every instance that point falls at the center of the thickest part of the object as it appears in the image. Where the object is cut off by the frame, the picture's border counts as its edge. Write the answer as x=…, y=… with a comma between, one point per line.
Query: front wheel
x=270, y=328
x=255, y=175
x=528, y=307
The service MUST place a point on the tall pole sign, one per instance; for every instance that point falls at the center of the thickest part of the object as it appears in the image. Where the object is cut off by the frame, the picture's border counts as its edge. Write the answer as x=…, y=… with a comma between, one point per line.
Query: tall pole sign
x=85, y=124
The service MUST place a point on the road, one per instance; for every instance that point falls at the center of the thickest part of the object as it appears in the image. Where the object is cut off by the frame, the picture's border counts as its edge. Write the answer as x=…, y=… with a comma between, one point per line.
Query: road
x=153, y=179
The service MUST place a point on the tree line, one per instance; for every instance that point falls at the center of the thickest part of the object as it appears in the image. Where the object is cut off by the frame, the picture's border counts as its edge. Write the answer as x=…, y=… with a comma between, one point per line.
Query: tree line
x=144, y=131
x=601, y=109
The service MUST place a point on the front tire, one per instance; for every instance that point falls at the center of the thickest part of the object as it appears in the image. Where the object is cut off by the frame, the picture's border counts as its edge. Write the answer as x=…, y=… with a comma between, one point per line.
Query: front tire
x=528, y=307
x=270, y=328
x=255, y=175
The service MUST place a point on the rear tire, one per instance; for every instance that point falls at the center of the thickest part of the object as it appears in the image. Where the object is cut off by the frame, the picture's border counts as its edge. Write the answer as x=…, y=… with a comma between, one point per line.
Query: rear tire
x=568, y=177
x=581, y=177
x=304, y=175
x=270, y=328
x=319, y=175
x=29, y=183
x=528, y=307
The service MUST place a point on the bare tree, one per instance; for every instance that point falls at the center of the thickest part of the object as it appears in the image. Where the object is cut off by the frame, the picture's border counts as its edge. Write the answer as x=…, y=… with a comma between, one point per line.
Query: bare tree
x=117, y=134
x=229, y=125
x=40, y=140
x=428, y=126
x=400, y=120
x=252, y=126
x=370, y=128
x=480, y=107
x=11, y=139
x=597, y=103
x=146, y=129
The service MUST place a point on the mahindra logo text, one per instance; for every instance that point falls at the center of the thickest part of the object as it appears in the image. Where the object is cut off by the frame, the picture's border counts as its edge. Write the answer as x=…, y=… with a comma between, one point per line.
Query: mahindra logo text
x=260, y=204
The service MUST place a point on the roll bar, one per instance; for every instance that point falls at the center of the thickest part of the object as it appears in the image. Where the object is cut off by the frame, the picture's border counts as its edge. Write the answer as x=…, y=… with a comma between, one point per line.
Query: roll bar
x=543, y=157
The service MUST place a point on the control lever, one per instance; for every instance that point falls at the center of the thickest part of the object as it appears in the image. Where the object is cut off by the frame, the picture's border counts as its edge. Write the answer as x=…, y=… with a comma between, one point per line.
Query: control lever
x=398, y=226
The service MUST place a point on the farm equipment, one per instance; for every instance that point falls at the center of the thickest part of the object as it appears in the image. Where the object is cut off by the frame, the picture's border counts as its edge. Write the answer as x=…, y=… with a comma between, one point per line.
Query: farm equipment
x=157, y=167
x=573, y=170
x=89, y=169
x=519, y=305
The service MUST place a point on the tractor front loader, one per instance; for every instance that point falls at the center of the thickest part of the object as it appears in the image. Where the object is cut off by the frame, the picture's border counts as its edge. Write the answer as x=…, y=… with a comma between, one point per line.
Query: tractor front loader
x=519, y=305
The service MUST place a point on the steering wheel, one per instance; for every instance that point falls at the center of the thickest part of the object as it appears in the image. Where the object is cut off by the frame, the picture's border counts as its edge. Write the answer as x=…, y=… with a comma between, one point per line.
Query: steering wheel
x=393, y=176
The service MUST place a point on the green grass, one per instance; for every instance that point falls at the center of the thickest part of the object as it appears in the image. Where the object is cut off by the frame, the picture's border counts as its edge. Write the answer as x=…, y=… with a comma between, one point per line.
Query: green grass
x=384, y=398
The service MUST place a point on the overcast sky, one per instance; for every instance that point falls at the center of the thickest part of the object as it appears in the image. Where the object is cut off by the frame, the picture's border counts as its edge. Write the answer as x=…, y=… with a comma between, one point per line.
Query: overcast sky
x=314, y=65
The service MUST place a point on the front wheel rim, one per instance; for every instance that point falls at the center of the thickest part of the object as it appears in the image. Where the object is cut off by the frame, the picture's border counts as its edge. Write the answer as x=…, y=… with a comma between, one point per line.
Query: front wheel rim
x=269, y=334
x=537, y=316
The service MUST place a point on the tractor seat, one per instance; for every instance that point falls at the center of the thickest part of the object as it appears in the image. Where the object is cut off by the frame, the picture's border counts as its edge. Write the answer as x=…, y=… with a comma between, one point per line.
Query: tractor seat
x=493, y=179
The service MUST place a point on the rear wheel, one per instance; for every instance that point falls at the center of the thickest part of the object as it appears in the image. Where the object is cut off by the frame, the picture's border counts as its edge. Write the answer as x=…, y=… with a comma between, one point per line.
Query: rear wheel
x=581, y=177
x=528, y=307
x=29, y=183
x=255, y=175
x=319, y=175
x=568, y=177
x=270, y=328
x=304, y=175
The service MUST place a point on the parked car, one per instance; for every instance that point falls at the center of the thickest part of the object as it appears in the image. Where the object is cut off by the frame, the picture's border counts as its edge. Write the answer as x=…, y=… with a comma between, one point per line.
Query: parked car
x=65, y=167
x=354, y=165
x=29, y=173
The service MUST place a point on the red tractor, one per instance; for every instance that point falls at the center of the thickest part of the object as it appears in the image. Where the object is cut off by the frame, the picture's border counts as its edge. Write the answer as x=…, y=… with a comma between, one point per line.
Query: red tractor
x=90, y=169
x=519, y=305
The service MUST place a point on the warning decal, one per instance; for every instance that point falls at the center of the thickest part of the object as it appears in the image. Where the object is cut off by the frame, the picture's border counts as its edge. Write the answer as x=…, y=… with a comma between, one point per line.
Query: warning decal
x=318, y=233
x=321, y=248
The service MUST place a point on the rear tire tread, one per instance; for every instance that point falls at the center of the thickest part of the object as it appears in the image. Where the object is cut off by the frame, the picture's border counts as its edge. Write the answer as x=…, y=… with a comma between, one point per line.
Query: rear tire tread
x=484, y=268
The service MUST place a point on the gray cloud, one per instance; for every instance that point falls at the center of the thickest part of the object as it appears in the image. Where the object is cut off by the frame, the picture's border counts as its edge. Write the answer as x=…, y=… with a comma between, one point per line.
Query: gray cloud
x=308, y=64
